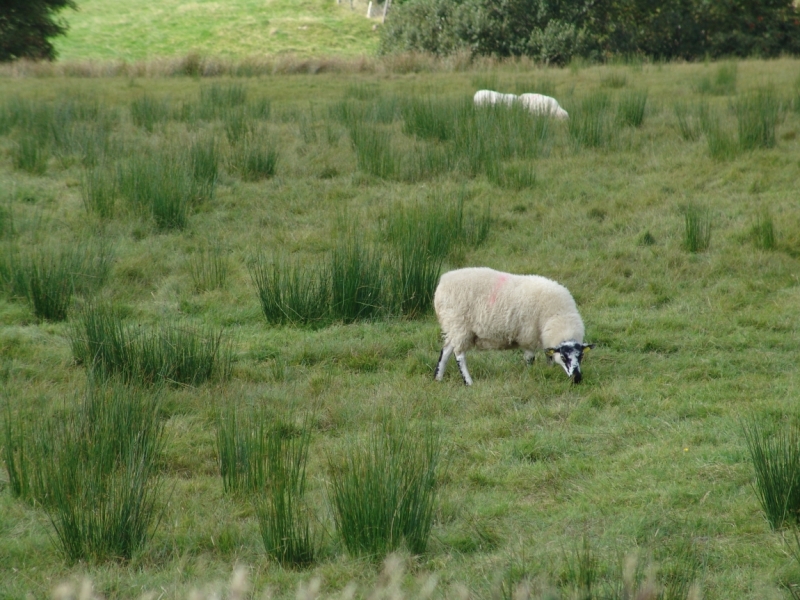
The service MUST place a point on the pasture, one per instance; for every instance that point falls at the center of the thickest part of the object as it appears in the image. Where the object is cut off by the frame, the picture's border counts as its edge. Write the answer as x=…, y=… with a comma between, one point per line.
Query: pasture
x=106, y=30
x=267, y=243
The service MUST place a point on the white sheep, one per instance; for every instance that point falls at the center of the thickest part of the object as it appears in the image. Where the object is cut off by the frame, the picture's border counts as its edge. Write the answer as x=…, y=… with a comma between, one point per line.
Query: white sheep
x=484, y=97
x=487, y=309
x=539, y=104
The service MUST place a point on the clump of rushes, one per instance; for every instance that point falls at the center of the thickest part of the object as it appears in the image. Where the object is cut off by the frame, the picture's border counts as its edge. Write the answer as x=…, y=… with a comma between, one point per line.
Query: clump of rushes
x=722, y=144
x=776, y=461
x=93, y=468
x=241, y=449
x=50, y=277
x=357, y=279
x=697, y=228
x=256, y=158
x=589, y=124
x=204, y=158
x=688, y=125
x=30, y=154
x=157, y=184
x=383, y=491
x=631, y=108
x=98, y=189
x=374, y=151
x=102, y=342
x=289, y=291
x=763, y=231
x=209, y=267
x=283, y=516
x=147, y=111
x=757, y=114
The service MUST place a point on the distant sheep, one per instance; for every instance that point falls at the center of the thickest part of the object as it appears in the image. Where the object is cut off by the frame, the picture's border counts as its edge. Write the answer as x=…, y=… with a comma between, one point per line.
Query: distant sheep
x=487, y=309
x=537, y=104
x=543, y=105
x=488, y=97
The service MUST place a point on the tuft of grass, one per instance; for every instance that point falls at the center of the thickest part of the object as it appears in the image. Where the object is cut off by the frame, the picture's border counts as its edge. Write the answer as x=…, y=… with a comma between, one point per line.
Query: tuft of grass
x=517, y=176
x=98, y=191
x=167, y=353
x=290, y=292
x=631, y=108
x=209, y=267
x=147, y=112
x=763, y=231
x=30, y=154
x=722, y=145
x=256, y=158
x=757, y=114
x=283, y=518
x=430, y=118
x=688, y=125
x=614, y=80
x=157, y=184
x=101, y=484
x=204, y=156
x=357, y=280
x=375, y=153
x=241, y=450
x=697, y=228
x=723, y=82
x=776, y=461
x=50, y=282
x=383, y=492
x=589, y=124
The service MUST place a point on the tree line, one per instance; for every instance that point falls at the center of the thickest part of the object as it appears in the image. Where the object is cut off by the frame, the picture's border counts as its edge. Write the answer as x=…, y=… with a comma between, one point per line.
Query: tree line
x=556, y=31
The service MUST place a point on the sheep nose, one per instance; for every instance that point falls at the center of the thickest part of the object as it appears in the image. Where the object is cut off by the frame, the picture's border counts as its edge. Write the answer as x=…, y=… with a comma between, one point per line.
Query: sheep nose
x=576, y=377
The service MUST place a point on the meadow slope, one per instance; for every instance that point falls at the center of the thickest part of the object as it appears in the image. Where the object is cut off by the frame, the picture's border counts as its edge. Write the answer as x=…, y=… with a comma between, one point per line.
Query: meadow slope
x=131, y=31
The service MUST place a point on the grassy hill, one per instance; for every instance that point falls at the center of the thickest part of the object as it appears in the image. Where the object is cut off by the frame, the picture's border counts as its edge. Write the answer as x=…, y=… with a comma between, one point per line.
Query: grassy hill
x=106, y=29
x=161, y=198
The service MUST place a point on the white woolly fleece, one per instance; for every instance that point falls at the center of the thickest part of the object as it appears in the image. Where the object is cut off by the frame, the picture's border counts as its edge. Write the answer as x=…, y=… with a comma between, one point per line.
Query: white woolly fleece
x=487, y=309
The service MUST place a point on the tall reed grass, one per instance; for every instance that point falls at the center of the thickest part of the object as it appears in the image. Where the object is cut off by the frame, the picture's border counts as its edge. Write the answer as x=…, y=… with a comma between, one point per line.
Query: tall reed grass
x=589, y=123
x=763, y=231
x=241, y=442
x=358, y=279
x=166, y=353
x=283, y=516
x=255, y=158
x=631, y=108
x=776, y=461
x=757, y=115
x=697, y=228
x=98, y=191
x=147, y=112
x=383, y=491
x=209, y=267
x=102, y=486
x=290, y=292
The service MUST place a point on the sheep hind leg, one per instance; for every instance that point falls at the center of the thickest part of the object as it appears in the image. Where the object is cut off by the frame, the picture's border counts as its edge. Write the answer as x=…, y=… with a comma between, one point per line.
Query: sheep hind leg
x=444, y=356
x=461, y=359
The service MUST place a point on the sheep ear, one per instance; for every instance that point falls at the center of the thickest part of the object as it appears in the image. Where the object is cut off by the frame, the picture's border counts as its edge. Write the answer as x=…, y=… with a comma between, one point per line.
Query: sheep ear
x=587, y=347
x=549, y=352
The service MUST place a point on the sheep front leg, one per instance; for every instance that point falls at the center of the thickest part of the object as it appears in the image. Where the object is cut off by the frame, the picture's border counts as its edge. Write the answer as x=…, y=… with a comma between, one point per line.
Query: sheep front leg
x=444, y=356
x=529, y=357
x=461, y=359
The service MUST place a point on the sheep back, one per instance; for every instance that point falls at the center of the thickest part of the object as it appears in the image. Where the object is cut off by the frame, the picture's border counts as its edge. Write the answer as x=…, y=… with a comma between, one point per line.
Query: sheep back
x=488, y=309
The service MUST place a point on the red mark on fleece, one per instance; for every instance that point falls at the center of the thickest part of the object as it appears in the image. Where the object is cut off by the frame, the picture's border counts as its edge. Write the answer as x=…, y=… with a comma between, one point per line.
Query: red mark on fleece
x=501, y=280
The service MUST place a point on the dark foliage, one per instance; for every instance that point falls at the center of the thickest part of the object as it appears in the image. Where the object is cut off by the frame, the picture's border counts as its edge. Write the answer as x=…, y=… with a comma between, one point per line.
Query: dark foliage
x=26, y=27
x=555, y=31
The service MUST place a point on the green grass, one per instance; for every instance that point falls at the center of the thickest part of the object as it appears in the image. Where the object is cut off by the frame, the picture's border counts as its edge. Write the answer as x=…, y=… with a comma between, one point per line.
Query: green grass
x=645, y=459
x=103, y=29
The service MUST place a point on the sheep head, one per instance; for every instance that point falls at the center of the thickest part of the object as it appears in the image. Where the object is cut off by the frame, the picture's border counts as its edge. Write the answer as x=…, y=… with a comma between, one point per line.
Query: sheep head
x=569, y=355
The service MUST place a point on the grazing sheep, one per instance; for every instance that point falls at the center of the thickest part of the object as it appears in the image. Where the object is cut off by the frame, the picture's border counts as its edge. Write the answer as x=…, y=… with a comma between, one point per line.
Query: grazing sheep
x=543, y=105
x=484, y=97
x=487, y=309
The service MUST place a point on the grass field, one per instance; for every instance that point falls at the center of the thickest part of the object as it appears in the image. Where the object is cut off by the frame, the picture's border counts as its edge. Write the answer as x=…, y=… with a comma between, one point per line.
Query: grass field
x=108, y=30
x=667, y=204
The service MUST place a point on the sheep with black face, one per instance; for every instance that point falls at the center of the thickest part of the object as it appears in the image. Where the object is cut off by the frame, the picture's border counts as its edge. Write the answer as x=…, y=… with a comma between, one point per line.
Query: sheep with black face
x=487, y=309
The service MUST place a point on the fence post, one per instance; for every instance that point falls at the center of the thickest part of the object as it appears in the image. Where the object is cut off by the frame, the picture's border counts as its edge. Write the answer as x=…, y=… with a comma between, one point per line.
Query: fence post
x=369, y=9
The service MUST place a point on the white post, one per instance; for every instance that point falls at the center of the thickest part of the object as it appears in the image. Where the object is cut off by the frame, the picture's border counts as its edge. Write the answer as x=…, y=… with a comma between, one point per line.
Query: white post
x=369, y=9
x=386, y=4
